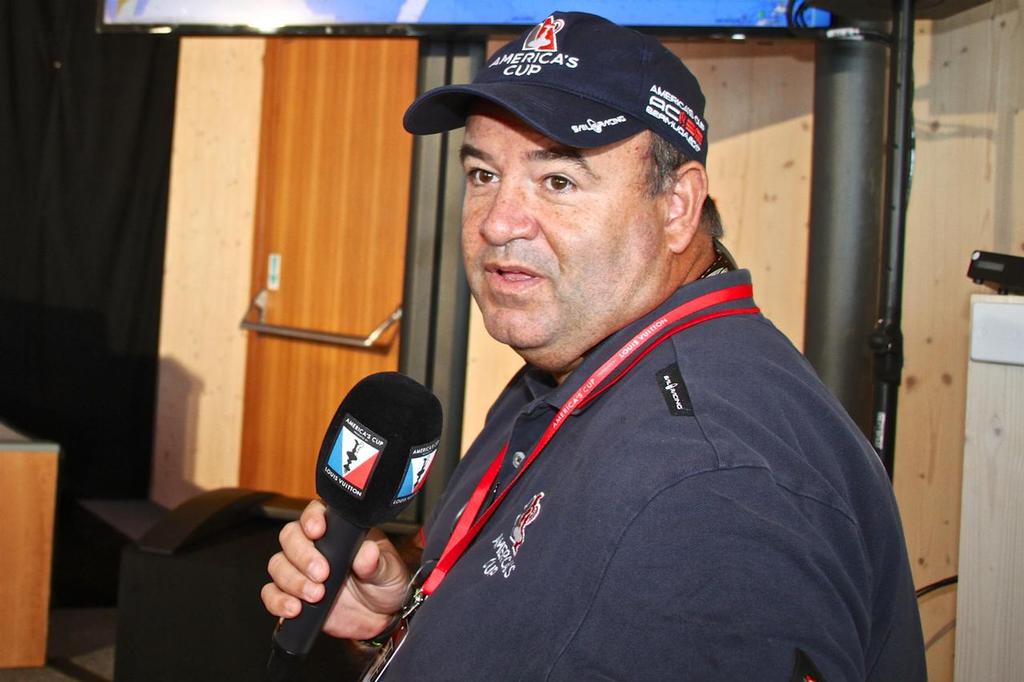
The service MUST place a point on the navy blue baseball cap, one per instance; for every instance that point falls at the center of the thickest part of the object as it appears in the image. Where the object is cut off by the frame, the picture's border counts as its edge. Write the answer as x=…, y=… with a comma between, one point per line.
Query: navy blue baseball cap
x=583, y=81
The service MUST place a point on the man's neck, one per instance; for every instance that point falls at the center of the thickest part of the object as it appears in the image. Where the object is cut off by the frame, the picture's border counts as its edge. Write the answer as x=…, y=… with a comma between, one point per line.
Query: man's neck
x=701, y=264
x=695, y=263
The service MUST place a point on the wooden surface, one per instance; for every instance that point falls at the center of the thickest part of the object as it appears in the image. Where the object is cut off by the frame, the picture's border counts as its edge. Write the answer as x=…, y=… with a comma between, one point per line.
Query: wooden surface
x=489, y=366
x=966, y=195
x=333, y=195
x=28, y=483
x=759, y=104
x=206, y=267
x=990, y=601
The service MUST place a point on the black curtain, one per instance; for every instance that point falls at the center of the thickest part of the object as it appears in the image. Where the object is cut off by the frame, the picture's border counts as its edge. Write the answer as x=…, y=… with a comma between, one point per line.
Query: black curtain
x=85, y=138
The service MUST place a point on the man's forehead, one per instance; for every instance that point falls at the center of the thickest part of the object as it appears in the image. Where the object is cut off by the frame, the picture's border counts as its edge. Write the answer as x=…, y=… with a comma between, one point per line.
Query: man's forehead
x=484, y=111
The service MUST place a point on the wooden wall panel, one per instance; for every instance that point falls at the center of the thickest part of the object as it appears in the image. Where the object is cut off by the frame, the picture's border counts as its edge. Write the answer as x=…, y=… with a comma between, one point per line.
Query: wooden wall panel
x=760, y=96
x=966, y=195
x=990, y=604
x=206, y=267
x=489, y=366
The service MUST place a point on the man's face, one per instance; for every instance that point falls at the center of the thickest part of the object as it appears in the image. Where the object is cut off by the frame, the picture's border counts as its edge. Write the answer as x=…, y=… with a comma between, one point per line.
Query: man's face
x=562, y=246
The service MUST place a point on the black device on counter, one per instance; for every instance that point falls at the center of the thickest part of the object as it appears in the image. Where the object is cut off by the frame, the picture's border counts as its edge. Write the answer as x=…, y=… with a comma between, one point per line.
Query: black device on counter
x=1000, y=271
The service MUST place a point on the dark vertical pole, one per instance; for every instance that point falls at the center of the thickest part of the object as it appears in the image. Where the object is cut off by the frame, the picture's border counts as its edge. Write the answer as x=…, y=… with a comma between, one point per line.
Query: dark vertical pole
x=451, y=298
x=421, y=239
x=887, y=341
x=846, y=217
x=436, y=300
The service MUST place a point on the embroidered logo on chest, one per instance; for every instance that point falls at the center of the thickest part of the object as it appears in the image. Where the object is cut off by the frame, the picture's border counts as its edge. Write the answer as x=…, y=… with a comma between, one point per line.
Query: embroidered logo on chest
x=505, y=549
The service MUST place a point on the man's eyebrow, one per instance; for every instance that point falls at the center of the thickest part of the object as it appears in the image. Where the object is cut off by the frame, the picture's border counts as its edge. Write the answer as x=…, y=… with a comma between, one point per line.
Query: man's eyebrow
x=554, y=153
x=468, y=150
x=565, y=153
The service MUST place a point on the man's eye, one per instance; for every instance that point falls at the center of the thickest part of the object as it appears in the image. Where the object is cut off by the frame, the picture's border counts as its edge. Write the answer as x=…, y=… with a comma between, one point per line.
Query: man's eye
x=559, y=183
x=479, y=176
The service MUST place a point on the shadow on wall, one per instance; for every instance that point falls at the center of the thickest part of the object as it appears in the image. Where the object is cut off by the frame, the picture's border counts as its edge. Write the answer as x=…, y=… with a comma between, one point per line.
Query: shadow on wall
x=176, y=441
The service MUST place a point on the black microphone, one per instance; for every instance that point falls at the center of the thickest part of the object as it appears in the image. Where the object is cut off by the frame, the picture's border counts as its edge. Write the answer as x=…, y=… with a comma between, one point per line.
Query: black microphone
x=372, y=463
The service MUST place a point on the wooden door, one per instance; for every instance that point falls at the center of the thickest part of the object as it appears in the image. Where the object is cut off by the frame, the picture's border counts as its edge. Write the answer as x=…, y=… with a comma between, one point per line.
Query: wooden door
x=332, y=204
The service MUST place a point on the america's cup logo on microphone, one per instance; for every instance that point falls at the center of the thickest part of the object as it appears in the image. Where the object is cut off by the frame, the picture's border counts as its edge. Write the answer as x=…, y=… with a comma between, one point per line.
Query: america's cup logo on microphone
x=416, y=471
x=354, y=456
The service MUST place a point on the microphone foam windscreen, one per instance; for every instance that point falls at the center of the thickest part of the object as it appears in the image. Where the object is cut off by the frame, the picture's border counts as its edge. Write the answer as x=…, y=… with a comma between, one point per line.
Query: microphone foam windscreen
x=378, y=448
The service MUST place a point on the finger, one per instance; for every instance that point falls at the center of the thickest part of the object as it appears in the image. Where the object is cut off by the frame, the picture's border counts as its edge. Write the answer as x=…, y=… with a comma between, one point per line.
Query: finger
x=382, y=578
x=313, y=521
x=291, y=580
x=367, y=563
x=391, y=566
x=278, y=603
x=300, y=552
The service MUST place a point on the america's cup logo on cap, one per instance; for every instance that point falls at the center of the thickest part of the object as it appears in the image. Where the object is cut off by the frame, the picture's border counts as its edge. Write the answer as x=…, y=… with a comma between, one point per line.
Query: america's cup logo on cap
x=542, y=37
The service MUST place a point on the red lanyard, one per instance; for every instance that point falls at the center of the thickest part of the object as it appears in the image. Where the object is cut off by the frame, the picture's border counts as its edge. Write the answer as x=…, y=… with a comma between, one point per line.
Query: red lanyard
x=470, y=524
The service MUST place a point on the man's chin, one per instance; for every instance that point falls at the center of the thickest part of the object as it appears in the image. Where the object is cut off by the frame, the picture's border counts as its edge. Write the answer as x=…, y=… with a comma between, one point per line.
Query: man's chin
x=516, y=328
x=523, y=344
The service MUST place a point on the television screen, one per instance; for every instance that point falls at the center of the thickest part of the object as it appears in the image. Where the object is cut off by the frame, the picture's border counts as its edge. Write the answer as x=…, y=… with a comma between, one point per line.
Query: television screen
x=423, y=17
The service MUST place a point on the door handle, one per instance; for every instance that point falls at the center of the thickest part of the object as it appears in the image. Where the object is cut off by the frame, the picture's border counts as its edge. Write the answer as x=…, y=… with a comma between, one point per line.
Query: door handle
x=260, y=326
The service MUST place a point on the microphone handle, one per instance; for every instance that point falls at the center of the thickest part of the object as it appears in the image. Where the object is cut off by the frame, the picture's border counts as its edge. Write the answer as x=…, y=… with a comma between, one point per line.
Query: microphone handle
x=339, y=545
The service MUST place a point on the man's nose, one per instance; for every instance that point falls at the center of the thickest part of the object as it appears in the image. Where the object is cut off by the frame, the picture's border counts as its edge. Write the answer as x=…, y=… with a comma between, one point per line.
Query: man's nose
x=508, y=217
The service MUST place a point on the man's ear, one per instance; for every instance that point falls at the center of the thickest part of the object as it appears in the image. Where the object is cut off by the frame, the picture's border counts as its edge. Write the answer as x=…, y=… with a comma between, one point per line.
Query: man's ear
x=686, y=200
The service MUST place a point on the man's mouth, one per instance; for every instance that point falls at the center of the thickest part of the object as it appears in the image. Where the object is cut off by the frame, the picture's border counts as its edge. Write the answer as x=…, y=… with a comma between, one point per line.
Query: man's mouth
x=510, y=275
x=513, y=275
x=512, y=271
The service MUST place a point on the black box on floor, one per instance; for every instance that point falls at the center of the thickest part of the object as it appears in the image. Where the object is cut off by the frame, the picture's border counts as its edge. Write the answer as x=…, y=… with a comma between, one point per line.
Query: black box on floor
x=195, y=614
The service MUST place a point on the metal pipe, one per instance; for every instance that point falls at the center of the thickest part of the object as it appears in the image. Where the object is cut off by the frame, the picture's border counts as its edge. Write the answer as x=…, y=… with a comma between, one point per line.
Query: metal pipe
x=846, y=217
x=887, y=341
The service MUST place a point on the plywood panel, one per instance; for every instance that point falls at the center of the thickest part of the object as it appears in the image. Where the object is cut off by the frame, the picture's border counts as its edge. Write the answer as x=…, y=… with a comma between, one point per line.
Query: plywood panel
x=334, y=185
x=28, y=483
x=759, y=166
x=990, y=606
x=760, y=96
x=489, y=366
x=965, y=196
x=206, y=266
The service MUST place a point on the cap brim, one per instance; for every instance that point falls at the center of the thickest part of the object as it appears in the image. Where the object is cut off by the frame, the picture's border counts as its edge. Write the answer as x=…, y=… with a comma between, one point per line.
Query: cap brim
x=541, y=107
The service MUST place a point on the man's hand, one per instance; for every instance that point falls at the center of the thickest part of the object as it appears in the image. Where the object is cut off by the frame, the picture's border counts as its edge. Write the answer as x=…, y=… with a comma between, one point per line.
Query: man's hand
x=373, y=592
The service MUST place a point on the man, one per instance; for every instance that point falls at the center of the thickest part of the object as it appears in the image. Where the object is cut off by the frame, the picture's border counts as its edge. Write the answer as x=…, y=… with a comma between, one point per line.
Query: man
x=666, y=491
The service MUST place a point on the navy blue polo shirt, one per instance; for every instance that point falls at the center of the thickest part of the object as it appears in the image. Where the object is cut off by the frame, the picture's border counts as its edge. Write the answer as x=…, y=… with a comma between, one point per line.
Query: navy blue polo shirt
x=712, y=516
